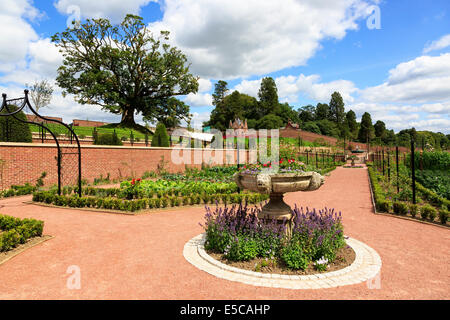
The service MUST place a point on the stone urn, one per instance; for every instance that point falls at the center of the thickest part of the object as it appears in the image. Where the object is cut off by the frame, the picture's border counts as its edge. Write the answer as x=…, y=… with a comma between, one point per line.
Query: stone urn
x=276, y=185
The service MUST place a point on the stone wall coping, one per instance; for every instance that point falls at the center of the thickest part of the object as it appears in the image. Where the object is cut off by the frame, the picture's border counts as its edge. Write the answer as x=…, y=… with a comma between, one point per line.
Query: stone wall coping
x=46, y=145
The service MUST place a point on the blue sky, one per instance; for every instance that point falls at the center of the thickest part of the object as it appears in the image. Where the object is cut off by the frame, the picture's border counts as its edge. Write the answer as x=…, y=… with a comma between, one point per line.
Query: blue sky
x=399, y=73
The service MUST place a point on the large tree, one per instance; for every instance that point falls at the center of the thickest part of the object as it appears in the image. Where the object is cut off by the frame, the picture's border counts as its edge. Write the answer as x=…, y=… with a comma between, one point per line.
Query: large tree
x=170, y=112
x=122, y=68
x=306, y=113
x=322, y=111
x=366, y=131
x=220, y=91
x=337, y=110
x=41, y=93
x=268, y=97
x=380, y=129
x=234, y=105
x=351, y=123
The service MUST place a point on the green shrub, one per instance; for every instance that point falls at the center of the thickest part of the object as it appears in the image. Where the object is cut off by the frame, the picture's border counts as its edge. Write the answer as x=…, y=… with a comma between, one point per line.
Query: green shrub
x=443, y=215
x=13, y=130
x=110, y=139
x=17, y=231
x=160, y=138
x=426, y=211
x=400, y=208
x=241, y=249
x=413, y=209
x=432, y=213
x=294, y=256
x=383, y=205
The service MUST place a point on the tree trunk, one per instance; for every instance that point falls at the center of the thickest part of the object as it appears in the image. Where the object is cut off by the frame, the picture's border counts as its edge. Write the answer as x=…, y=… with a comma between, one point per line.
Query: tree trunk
x=128, y=117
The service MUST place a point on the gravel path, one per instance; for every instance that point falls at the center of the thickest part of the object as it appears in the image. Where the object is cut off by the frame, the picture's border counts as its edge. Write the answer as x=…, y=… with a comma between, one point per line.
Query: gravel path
x=140, y=257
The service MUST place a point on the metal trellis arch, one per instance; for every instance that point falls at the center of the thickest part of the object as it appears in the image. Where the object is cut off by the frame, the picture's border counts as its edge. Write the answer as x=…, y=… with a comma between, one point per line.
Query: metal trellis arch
x=68, y=155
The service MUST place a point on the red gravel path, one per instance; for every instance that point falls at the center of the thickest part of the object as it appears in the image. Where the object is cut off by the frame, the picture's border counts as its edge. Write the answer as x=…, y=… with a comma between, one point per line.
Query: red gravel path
x=140, y=257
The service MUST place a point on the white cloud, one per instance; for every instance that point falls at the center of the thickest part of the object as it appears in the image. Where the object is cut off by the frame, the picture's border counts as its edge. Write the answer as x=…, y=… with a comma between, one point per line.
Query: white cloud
x=422, y=80
x=441, y=108
x=199, y=99
x=114, y=10
x=291, y=87
x=198, y=119
x=204, y=85
x=420, y=68
x=231, y=39
x=16, y=32
x=439, y=44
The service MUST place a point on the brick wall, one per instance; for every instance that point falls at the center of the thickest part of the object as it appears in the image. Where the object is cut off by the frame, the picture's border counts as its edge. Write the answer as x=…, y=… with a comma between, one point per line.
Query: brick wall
x=290, y=132
x=21, y=163
x=34, y=118
x=88, y=123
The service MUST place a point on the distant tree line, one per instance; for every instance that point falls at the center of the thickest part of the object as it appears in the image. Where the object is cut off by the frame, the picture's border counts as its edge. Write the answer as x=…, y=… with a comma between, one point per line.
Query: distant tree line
x=330, y=119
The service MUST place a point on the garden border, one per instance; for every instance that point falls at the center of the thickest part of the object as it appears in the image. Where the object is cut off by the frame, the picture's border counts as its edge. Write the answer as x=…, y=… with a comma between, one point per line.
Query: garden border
x=396, y=216
x=23, y=247
x=366, y=266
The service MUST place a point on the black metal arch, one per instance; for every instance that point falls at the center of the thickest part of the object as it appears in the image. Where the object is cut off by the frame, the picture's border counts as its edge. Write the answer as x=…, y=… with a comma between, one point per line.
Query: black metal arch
x=23, y=103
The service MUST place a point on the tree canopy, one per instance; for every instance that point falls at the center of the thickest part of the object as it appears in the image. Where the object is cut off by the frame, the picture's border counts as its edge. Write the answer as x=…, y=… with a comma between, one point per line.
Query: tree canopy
x=337, y=110
x=122, y=68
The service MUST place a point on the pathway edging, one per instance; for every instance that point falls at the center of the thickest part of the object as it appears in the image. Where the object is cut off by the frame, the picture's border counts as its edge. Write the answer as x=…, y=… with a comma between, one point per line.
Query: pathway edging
x=366, y=266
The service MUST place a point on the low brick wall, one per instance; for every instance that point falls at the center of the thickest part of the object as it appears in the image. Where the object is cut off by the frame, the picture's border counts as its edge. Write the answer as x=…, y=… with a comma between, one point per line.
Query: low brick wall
x=22, y=162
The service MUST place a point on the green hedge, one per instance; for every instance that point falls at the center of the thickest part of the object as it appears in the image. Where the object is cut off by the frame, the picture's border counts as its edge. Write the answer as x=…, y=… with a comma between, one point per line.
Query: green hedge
x=17, y=231
x=17, y=190
x=146, y=203
x=13, y=130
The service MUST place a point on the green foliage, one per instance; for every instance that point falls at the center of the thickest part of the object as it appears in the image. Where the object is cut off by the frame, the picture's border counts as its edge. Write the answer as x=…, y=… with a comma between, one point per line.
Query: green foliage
x=427, y=211
x=431, y=160
x=444, y=215
x=269, y=121
x=160, y=138
x=413, y=209
x=311, y=127
x=337, y=110
x=268, y=97
x=400, y=208
x=109, y=139
x=171, y=112
x=366, y=130
x=435, y=180
x=17, y=190
x=12, y=129
x=15, y=231
x=241, y=248
x=294, y=256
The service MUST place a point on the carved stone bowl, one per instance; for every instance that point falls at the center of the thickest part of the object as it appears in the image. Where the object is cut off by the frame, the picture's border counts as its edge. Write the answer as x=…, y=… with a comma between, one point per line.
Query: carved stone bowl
x=276, y=185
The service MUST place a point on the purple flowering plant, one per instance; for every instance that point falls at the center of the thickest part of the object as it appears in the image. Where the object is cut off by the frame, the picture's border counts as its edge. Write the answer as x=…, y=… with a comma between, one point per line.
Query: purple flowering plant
x=237, y=233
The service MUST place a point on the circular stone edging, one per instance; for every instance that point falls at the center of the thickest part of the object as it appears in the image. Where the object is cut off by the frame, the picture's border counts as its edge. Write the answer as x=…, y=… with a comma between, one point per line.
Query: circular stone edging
x=366, y=266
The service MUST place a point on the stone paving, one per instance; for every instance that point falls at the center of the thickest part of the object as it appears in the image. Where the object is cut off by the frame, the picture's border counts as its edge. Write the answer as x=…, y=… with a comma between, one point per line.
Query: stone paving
x=141, y=257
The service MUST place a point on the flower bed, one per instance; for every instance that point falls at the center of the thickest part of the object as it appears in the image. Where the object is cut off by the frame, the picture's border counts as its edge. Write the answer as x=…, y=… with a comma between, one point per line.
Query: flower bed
x=15, y=231
x=238, y=235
